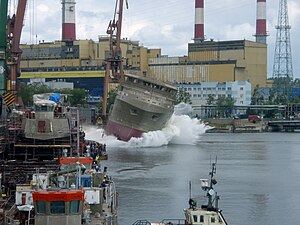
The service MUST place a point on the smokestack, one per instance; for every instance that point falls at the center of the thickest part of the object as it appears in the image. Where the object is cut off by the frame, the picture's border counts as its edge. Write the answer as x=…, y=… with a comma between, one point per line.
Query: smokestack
x=261, y=22
x=68, y=20
x=199, y=21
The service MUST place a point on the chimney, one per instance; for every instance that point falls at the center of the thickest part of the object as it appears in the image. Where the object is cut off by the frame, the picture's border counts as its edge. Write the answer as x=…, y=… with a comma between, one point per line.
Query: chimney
x=199, y=21
x=68, y=20
x=261, y=22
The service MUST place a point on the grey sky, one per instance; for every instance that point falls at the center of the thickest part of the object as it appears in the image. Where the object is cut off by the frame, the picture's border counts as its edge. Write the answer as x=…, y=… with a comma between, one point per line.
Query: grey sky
x=167, y=24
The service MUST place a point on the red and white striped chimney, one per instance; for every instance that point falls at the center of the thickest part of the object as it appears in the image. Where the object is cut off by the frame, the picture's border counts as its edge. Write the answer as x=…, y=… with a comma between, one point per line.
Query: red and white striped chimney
x=199, y=21
x=261, y=22
x=68, y=20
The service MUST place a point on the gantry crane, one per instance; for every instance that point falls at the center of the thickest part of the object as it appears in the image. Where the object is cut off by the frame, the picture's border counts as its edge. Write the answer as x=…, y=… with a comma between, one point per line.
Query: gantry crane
x=113, y=57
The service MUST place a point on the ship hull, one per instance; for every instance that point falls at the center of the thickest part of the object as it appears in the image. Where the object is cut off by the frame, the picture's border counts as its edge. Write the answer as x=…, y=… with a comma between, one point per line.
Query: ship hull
x=140, y=106
x=121, y=131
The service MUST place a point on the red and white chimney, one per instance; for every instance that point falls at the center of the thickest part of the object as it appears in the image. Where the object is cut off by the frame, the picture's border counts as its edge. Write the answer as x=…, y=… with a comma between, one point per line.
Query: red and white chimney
x=68, y=20
x=199, y=21
x=261, y=22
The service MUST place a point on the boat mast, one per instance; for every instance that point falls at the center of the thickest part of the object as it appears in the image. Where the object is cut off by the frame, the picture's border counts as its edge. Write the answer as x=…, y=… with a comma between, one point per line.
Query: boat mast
x=114, y=68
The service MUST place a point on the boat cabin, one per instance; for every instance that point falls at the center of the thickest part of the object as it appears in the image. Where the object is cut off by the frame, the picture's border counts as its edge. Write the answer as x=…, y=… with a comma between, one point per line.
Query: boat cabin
x=200, y=216
x=58, y=207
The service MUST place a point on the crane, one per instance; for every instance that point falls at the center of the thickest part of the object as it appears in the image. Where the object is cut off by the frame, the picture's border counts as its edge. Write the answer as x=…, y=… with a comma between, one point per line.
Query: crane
x=10, y=52
x=114, y=68
x=3, y=43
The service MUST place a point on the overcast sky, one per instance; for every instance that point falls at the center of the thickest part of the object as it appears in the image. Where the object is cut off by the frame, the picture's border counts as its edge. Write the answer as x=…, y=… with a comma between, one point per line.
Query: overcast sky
x=165, y=24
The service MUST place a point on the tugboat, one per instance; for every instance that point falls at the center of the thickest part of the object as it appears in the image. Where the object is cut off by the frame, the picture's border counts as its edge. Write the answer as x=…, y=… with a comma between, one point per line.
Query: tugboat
x=207, y=214
x=204, y=215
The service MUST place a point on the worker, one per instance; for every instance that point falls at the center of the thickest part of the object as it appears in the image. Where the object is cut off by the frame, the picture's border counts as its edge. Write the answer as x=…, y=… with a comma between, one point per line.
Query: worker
x=97, y=159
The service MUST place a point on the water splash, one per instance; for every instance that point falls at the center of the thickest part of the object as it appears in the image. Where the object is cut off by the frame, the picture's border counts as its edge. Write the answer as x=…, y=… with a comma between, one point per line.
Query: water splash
x=179, y=130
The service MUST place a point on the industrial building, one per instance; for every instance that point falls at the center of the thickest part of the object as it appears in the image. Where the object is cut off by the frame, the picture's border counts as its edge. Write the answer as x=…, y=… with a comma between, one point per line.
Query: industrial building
x=83, y=61
x=239, y=91
x=210, y=61
x=218, y=61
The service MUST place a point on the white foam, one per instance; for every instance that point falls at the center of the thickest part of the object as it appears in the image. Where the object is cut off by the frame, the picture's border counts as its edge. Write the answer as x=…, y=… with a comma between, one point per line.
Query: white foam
x=179, y=130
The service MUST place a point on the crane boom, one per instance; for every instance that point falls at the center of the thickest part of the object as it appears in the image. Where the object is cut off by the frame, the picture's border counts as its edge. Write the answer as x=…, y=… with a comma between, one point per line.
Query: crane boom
x=14, y=30
x=114, y=66
x=3, y=43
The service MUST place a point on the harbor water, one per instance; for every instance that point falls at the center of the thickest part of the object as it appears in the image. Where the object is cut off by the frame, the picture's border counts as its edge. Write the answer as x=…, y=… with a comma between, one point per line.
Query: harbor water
x=258, y=174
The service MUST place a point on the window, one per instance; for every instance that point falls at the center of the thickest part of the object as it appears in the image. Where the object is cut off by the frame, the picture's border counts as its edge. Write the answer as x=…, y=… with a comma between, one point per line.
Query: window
x=241, y=88
x=74, y=206
x=133, y=112
x=195, y=218
x=229, y=88
x=213, y=219
x=41, y=207
x=57, y=207
x=155, y=117
x=201, y=219
x=44, y=108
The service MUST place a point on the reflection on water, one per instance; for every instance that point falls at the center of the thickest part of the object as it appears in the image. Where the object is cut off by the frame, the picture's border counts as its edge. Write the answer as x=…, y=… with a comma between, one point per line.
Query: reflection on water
x=258, y=178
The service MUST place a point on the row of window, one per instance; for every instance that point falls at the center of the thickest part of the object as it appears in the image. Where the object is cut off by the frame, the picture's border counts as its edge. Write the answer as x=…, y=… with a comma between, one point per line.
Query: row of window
x=206, y=96
x=58, y=207
x=201, y=219
x=209, y=89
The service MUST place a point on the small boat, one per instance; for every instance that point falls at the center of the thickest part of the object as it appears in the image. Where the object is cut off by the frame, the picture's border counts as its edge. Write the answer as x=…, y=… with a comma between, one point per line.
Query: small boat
x=205, y=215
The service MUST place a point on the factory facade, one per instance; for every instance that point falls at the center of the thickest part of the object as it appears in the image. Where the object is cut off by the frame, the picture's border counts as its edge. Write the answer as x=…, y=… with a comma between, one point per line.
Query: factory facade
x=209, y=61
x=82, y=62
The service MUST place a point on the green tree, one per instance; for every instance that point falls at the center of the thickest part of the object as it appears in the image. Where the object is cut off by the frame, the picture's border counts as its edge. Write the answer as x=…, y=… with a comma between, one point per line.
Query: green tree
x=211, y=99
x=257, y=98
x=280, y=91
x=183, y=96
x=225, y=106
x=26, y=92
x=76, y=96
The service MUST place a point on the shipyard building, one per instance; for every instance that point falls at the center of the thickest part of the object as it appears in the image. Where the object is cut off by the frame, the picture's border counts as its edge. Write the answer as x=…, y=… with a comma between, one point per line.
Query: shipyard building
x=210, y=61
x=82, y=62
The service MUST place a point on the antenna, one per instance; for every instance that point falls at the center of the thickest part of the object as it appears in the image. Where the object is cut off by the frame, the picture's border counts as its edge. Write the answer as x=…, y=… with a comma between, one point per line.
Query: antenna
x=190, y=189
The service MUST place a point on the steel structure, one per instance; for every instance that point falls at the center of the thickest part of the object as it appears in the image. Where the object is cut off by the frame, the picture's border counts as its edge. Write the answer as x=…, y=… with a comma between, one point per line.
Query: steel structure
x=283, y=67
x=113, y=57
x=3, y=43
x=14, y=30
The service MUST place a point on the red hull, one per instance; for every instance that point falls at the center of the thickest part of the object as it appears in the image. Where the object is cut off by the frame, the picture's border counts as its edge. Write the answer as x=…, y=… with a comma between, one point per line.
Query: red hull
x=122, y=132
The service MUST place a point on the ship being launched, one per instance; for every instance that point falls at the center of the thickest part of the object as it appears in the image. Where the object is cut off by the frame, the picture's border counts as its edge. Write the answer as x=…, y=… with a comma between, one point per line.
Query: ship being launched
x=141, y=105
